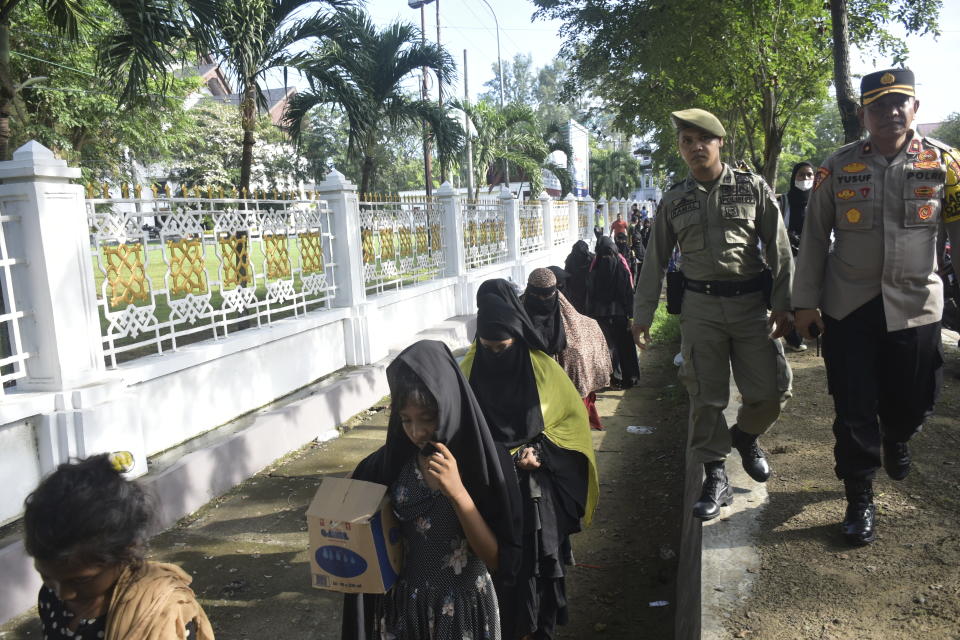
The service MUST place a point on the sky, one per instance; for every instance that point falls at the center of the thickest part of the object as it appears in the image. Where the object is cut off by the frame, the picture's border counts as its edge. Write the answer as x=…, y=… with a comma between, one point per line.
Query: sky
x=469, y=24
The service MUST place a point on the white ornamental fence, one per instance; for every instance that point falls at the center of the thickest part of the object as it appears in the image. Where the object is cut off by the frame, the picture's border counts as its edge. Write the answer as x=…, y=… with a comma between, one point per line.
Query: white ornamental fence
x=531, y=227
x=484, y=233
x=172, y=271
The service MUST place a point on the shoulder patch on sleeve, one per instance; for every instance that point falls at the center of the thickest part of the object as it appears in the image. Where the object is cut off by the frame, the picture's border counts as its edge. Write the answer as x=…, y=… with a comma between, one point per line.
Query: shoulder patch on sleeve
x=951, y=186
x=822, y=174
x=933, y=142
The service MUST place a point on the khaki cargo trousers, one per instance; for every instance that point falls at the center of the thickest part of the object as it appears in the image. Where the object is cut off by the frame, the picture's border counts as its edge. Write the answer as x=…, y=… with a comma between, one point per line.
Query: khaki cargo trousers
x=720, y=334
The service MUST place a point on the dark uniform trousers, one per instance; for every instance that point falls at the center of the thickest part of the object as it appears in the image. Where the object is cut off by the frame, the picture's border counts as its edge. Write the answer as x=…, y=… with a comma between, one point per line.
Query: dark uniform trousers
x=874, y=373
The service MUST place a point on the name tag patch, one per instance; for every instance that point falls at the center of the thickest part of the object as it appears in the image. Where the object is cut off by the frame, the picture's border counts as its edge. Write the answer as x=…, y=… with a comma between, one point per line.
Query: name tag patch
x=854, y=179
x=684, y=206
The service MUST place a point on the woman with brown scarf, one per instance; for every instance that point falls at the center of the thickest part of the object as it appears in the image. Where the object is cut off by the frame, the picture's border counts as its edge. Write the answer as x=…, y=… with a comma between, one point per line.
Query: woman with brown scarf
x=575, y=340
x=86, y=528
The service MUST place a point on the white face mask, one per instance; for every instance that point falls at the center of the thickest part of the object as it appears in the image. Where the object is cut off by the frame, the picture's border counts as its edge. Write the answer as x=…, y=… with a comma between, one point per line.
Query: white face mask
x=803, y=185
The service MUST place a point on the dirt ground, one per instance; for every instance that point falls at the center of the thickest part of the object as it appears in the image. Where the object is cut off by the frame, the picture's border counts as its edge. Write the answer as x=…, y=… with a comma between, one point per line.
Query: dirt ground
x=811, y=585
x=247, y=549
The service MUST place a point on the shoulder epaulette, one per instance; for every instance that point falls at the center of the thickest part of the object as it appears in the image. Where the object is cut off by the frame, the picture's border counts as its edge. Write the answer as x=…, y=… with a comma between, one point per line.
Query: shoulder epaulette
x=676, y=185
x=933, y=142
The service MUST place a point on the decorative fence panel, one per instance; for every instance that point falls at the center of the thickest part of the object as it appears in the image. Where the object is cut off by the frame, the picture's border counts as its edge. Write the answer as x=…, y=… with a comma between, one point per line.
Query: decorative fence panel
x=402, y=241
x=531, y=227
x=583, y=215
x=12, y=354
x=171, y=271
x=484, y=233
x=561, y=222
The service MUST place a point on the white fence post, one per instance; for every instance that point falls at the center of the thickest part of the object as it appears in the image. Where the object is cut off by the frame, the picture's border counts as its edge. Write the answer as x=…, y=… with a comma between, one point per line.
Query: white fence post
x=511, y=218
x=341, y=197
x=591, y=218
x=63, y=333
x=574, y=220
x=546, y=210
x=454, y=252
x=605, y=212
x=91, y=413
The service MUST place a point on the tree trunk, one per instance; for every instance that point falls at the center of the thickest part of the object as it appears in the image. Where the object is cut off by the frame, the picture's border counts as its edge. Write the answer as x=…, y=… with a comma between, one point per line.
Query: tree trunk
x=366, y=174
x=7, y=92
x=248, y=120
x=846, y=98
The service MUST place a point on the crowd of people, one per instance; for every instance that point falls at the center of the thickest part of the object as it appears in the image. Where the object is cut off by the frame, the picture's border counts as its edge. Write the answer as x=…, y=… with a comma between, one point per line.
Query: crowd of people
x=489, y=462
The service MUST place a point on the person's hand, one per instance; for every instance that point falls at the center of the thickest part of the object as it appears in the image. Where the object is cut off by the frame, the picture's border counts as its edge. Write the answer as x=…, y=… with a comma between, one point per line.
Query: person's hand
x=442, y=468
x=640, y=331
x=781, y=322
x=804, y=318
x=528, y=459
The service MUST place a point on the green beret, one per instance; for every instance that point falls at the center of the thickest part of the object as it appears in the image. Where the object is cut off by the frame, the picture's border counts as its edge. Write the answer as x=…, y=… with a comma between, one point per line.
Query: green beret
x=880, y=83
x=700, y=119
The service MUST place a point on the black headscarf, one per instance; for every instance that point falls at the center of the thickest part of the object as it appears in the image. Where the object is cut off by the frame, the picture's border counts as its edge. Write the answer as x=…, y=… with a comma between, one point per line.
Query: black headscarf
x=609, y=291
x=519, y=323
x=562, y=277
x=485, y=466
x=504, y=382
x=579, y=259
x=577, y=265
x=798, y=199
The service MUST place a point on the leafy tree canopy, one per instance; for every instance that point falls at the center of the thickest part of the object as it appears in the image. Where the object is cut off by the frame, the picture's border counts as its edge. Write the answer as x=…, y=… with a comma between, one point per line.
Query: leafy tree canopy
x=63, y=103
x=762, y=66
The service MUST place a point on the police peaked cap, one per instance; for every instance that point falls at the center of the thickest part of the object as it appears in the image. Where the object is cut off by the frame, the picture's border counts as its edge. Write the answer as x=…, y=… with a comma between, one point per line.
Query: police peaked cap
x=700, y=119
x=880, y=83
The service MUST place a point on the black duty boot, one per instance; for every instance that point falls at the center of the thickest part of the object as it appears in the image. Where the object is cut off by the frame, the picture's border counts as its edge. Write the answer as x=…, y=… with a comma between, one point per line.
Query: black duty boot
x=754, y=458
x=858, y=525
x=896, y=459
x=716, y=492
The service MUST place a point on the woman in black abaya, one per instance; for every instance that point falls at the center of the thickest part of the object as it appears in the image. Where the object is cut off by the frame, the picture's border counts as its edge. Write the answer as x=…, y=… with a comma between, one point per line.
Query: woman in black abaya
x=610, y=303
x=533, y=409
x=577, y=266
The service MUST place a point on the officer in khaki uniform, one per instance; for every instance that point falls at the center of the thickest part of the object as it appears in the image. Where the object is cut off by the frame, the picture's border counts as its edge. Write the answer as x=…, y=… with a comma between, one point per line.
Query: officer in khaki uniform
x=720, y=217
x=885, y=199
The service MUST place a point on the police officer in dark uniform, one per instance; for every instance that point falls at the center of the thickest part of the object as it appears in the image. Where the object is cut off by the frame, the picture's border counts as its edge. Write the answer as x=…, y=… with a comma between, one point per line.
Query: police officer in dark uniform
x=875, y=295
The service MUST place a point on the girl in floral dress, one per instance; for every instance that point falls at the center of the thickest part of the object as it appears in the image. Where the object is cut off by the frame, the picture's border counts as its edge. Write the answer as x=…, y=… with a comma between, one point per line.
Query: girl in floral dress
x=447, y=484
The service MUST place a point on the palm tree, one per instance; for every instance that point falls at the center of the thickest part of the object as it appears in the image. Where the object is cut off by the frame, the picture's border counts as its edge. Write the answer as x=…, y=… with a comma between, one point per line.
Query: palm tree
x=614, y=173
x=513, y=134
x=132, y=55
x=363, y=74
x=251, y=37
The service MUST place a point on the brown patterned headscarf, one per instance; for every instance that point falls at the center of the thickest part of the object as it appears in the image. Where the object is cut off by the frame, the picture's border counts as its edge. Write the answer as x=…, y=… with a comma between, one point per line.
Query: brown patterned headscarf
x=542, y=304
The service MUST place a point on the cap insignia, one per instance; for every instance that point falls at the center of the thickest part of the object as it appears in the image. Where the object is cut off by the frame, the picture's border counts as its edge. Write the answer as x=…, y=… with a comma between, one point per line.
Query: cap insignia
x=887, y=78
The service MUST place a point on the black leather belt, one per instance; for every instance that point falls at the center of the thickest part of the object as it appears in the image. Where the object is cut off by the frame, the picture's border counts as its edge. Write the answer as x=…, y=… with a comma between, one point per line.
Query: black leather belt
x=726, y=288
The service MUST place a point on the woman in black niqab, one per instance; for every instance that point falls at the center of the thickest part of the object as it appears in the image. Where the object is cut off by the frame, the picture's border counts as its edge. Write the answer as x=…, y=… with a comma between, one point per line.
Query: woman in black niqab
x=610, y=303
x=577, y=265
x=486, y=468
x=555, y=493
x=542, y=303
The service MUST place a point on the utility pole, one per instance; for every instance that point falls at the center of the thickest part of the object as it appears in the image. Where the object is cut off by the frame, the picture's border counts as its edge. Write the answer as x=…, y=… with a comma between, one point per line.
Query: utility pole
x=506, y=165
x=443, y=165
x=427, y=168
x=466, y=128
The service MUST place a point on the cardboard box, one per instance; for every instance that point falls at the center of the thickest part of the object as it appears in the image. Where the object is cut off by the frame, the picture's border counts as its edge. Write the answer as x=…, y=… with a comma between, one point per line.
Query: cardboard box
x=354, y=537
